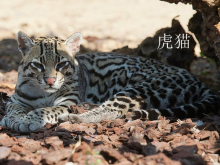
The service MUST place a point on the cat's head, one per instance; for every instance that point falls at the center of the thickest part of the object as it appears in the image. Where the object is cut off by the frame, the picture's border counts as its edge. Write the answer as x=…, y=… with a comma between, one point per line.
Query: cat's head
x=49, y=61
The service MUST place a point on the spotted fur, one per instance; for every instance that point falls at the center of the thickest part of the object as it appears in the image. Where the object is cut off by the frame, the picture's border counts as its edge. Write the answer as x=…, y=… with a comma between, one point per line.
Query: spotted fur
x=110, y=84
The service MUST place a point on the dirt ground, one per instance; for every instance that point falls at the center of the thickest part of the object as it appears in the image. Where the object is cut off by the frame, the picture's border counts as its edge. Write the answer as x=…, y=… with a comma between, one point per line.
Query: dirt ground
x=105, y=25
x=119, y=23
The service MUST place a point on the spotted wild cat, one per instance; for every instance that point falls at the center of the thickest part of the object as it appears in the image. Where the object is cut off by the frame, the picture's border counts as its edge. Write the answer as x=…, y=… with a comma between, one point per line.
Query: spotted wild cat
x=51, y=78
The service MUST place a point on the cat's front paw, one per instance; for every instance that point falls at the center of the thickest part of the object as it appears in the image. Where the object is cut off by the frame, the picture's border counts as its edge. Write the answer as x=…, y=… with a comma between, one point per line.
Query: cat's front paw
x=6, y=122
x=20, y=124
x=26, y=127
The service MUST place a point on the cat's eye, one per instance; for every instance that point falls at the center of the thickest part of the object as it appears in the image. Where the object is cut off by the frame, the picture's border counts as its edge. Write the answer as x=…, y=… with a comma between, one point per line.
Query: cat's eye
x=61, y=65
x=38, y=66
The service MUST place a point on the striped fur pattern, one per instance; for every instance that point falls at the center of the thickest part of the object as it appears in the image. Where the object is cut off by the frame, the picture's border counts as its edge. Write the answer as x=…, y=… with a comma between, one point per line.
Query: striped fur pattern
x=109, y=84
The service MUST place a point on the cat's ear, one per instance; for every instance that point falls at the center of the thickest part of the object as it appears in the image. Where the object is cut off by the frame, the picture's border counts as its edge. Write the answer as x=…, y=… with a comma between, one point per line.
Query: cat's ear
x=73, y=43
x=24, y=42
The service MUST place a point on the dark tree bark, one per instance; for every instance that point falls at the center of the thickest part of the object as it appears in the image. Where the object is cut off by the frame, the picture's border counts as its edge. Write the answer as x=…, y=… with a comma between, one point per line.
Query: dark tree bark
x=205, y=24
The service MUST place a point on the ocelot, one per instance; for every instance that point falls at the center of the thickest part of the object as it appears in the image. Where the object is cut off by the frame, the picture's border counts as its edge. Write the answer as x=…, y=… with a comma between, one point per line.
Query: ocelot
x=51, y=78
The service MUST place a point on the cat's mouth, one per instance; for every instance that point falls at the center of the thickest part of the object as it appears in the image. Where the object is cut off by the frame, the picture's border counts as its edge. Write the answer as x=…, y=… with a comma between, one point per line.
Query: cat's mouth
x=50, y=89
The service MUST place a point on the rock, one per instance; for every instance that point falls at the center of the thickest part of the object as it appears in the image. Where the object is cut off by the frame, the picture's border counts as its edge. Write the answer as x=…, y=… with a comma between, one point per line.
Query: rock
x=182, y=140
x=134, y=146
x=137, y=135
x=149, y=149
x=77, y=110
x=6, y=141
x=4, y=152
x=51, y=139
x=110, y=154
x=20, y=150
x=19, y=162
x=55, y=142
x=55, y=156
x=118, y=123
x=203, y=135
x=118, y=131
x=137, y=122
x=212, y=148
x=6, y=85
x=90, y=131
x=29, y=144
x=160, y=146
x=114, y=138
x=189, y=158
x=100, y=129
x=67, y=127
x=193, y=149
x=96, y=159
x=153, y=133
x=159, y=158
x=124, y=162
x=57, y=145
x=171, y=137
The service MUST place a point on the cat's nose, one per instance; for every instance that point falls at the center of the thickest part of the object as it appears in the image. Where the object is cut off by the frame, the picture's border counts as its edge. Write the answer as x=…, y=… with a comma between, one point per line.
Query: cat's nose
x=50, y=80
